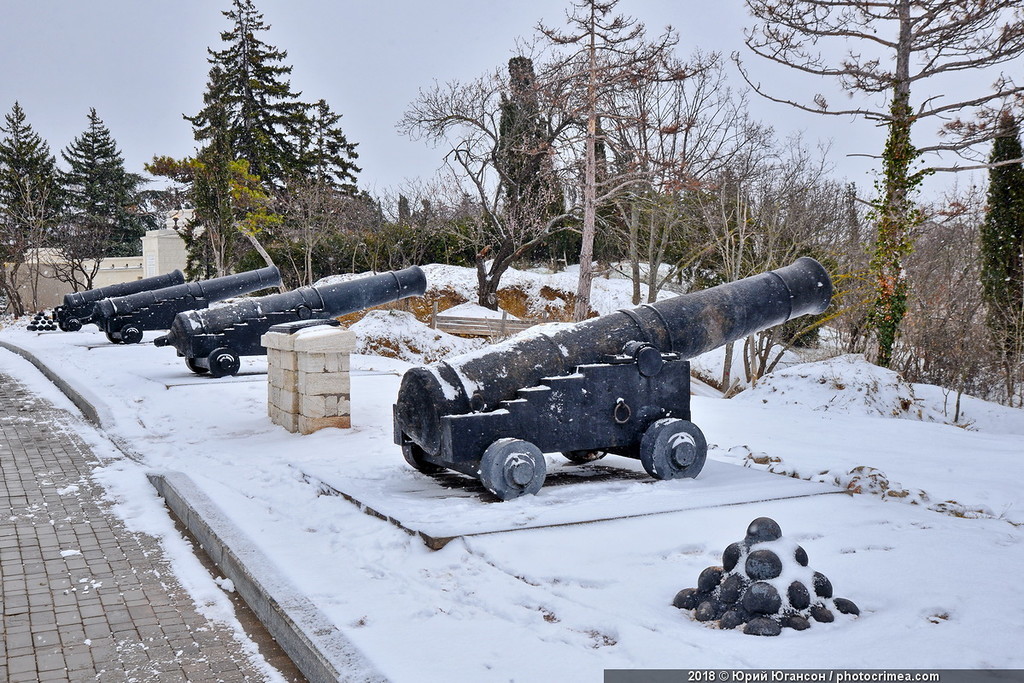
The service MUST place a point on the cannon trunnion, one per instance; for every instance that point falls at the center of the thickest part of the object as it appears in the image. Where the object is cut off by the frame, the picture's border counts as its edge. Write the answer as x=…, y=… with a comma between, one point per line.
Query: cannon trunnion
x=615, y=384
x=124, y=318
x=212, y=341
x=78, y=306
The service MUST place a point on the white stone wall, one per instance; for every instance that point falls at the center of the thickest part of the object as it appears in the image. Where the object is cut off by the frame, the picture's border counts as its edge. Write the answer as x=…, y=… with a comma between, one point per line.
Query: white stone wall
x=308, y=379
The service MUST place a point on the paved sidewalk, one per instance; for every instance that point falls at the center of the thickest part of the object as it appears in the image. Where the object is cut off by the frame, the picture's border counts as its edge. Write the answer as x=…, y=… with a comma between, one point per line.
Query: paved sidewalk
x=83, y=598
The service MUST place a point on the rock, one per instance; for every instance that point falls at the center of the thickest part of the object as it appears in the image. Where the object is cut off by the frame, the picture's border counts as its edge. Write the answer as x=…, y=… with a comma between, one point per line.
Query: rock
x=731, y=556
x=800, y=555
x=763, y=564
x=763, y=529
x=732, y=588
x=732, y=618
x=822, y=586
x=821, y=613
x=762, y=598
x=846, y=606
x=688, y=598
x=799, y=596
x=709, y=579
x=796, y=622
x=762, y=626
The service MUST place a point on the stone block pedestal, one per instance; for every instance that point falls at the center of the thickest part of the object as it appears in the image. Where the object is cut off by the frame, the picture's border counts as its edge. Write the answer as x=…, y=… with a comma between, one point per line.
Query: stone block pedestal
x=308, y=383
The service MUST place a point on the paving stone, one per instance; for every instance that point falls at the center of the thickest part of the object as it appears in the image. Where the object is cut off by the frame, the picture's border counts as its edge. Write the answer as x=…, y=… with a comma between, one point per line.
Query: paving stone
x=83, y=598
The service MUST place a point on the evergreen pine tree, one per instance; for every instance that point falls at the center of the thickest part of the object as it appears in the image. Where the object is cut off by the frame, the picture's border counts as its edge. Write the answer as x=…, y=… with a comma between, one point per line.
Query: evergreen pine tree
x=30, y=198
x=101, y=195
x=264, y=115
x=1002, y=237
x=326, y=156
x=211, y=188
x=28, y=174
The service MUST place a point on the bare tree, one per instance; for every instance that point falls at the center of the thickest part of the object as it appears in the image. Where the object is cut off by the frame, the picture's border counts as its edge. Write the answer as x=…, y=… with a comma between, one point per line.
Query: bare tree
x=467, y=119
x=81, y=244
x=313, y=211
x=784, y=208
x=895, y=48
x=946, y=340
x=681, y=134
x=604, y=53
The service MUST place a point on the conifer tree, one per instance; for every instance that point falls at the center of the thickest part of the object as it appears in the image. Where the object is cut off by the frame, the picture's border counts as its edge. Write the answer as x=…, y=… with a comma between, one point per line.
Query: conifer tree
x=265, y=116
x=325, y=155
x=1002, y=238
x=101, y=195
x=30, y=198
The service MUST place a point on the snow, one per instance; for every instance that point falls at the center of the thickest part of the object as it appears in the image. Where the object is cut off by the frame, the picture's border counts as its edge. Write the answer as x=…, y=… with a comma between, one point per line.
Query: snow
x=472, y=310
x=402, y=336
x=580, y=578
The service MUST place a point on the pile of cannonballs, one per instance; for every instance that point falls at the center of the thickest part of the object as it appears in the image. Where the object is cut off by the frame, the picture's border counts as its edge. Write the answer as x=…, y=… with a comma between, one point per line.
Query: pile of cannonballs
x=764, y=584
x=42, y=322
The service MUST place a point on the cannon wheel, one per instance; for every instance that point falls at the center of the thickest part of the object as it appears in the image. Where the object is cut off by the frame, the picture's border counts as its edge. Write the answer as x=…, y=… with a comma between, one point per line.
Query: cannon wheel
x=413, y=454
x=112, y=339
x=130, y=334
x=70, y=325
x=672, y=449
x=583, y=457
x=510, y=468
x=198, y=369
x=223, y=361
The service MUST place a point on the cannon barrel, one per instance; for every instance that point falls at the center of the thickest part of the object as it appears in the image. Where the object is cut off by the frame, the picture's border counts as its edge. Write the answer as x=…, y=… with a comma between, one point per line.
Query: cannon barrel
x=687, y=325
x=78, y=306
x=183, y=297
x=325, y=301
x=212, y=340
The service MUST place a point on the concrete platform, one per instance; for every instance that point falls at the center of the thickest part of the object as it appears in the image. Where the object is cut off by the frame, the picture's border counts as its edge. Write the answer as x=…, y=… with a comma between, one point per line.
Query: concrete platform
x=439, y=509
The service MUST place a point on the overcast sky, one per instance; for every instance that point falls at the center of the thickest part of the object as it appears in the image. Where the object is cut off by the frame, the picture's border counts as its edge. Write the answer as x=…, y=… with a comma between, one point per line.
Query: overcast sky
x=142, y=64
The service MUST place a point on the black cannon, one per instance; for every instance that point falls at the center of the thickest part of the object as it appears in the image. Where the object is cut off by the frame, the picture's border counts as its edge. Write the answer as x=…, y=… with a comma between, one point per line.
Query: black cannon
x=212, y=341
x=124, y=318
x=616, y=384
x=78, y=306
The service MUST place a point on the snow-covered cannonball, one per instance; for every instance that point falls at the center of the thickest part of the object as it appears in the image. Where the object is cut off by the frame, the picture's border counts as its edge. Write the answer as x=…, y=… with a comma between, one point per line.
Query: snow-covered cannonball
x=763, y=529
x=763, y=564
x=731, y=556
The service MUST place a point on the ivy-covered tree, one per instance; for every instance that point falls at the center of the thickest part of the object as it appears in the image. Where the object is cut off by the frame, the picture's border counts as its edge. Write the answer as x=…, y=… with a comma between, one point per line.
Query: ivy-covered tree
x=249, y=80
x=30, y=199
x=1002, y=240
x=888, y=51
x=101, y=195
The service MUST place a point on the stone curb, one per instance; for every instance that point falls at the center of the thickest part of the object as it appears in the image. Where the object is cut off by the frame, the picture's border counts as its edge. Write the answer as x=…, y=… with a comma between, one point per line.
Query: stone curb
x=83, y=400
x=319, y=650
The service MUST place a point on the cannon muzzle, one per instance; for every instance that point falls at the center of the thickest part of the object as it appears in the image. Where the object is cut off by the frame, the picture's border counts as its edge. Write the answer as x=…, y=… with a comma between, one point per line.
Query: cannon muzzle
x=685, y=326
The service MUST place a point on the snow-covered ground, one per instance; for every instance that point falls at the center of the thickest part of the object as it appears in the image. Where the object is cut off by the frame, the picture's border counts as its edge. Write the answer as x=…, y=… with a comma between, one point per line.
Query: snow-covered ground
x=936, y=581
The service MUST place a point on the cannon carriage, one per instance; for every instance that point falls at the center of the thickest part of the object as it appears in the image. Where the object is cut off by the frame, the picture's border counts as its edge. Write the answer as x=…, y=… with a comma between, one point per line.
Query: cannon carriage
x=125, y=318
x=213, y=341
x=615, y=384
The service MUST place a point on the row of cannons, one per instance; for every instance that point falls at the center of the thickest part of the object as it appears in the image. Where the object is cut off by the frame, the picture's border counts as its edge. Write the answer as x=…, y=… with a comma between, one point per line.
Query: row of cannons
x=617, y=384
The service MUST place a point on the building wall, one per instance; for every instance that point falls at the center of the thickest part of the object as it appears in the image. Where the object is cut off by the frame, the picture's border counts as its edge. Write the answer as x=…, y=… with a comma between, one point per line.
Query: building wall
x=163, y=251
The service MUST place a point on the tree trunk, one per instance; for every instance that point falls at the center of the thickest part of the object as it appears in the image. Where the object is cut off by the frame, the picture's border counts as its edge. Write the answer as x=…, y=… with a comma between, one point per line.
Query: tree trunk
x=896, y=214
x=582, y=307
x=264, y=254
